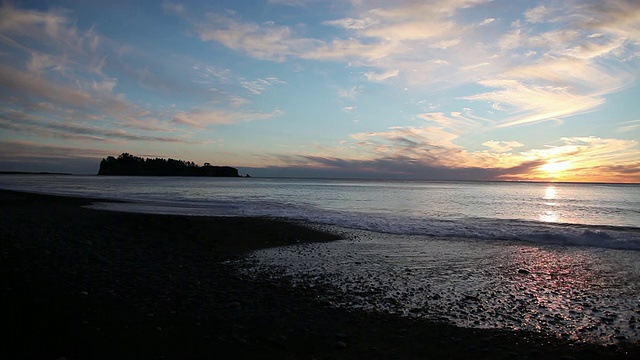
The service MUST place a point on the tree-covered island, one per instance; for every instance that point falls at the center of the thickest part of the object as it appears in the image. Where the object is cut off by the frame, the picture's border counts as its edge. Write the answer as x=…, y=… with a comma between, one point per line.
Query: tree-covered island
x=127, y=164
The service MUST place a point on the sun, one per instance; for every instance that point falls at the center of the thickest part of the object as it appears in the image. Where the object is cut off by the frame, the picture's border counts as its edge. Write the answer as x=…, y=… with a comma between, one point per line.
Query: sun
x=555, y=168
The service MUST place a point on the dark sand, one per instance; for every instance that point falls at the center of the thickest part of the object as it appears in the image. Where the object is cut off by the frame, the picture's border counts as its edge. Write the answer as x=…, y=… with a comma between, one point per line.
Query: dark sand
x=79, y=283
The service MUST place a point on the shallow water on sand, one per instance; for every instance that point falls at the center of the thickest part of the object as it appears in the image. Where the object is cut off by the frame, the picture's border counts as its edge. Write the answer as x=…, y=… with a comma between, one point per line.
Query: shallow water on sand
x=579, y=293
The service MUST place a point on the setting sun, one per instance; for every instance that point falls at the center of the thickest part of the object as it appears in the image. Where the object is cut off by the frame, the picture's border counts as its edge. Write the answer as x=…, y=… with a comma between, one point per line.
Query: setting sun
x=554, y=168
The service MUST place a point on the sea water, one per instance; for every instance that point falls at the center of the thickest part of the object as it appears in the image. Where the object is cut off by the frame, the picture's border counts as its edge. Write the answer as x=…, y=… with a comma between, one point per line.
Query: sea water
x=558, y=258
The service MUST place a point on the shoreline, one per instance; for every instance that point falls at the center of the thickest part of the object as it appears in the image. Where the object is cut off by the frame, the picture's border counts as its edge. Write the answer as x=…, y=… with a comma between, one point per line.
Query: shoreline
x=87, y=283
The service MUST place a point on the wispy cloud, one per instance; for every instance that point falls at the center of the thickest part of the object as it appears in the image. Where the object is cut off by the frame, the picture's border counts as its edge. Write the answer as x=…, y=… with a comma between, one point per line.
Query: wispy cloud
x=372, y=76
x=628, y=126
x=21, y=122
x=350, y=93
x=531, y=104
x=202, y=118
x=258, y=86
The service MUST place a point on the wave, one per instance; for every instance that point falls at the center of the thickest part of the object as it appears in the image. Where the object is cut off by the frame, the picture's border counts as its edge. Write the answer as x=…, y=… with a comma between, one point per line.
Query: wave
x=196, y=197
x=611, y=237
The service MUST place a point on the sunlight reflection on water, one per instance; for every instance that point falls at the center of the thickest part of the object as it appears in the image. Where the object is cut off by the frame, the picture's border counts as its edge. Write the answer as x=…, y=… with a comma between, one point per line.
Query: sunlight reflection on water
x=549, y=215
x=550, y=192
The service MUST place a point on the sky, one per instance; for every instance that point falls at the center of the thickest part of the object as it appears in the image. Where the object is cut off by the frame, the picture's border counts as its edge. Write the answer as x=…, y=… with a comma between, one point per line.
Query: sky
x=439, y=90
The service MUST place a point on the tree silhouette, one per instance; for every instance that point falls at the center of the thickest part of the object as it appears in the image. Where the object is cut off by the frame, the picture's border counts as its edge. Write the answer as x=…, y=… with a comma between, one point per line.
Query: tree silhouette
x=127, y=164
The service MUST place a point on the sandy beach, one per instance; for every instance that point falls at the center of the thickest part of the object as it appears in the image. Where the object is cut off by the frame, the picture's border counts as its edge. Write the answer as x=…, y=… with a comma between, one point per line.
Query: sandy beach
x=82, y=283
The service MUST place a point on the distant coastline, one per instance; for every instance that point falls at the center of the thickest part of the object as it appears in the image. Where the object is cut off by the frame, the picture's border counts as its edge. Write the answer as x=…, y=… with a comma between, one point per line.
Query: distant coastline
x=127, y=164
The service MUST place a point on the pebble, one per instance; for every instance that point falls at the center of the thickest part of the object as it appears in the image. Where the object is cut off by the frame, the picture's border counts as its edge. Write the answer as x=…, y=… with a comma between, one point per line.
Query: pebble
x=340, y=345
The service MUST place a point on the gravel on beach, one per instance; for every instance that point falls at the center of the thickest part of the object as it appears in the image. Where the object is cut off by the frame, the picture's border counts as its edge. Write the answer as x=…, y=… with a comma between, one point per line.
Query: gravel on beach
x=81, y=283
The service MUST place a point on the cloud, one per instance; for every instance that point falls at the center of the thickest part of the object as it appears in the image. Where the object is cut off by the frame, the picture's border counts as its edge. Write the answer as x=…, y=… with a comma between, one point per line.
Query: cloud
x=538, y=14
x=378, y=35
x=263, y=41
x=627, y=126
x=349, y=93
x=387, y=168
x=213, y=74
x=456, y=122
x=407, y=41
x=56, y=37
x=371, y=76
x=591, y=50
x=430, y=152
x=352, y=24
x=171, y=7
x=618, y=17
x=202, y=118
x=64, y=71
x=36, y=87
x=65, y=74
x=295, y=3
x=502, y=146
x=91, y=100
x=533, y=103
x=258, y=86
x=52, y=25
x=41, y=126
x=590, y=158
x=18, y=155
x=487, y=21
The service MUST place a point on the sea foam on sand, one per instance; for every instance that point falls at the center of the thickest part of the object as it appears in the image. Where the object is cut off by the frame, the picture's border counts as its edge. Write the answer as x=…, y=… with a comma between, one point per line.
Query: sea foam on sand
x=579, y=293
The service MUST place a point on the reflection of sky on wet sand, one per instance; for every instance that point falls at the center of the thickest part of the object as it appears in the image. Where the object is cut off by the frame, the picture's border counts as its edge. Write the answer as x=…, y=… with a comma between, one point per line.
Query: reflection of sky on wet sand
x=583, y=294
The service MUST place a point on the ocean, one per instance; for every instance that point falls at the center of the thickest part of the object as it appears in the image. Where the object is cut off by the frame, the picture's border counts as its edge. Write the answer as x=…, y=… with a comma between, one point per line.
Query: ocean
x=559, y=258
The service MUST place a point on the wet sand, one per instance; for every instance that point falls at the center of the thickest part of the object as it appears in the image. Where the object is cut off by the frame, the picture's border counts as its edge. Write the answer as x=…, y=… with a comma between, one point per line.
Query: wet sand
x=81, y=283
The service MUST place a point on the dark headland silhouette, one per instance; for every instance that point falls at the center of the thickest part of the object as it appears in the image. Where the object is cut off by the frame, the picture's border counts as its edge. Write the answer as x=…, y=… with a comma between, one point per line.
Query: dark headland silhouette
x=127, y=164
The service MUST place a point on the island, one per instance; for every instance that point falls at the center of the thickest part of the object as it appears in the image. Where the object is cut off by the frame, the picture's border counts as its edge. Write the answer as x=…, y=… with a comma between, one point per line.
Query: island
x=127, y=164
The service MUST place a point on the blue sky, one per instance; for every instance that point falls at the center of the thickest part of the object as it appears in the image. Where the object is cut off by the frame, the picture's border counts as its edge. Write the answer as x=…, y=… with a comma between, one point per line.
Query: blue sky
x=462, y=89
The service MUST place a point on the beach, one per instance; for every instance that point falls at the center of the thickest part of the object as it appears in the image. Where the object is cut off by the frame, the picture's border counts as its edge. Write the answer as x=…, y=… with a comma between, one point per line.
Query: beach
x=83, y=283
